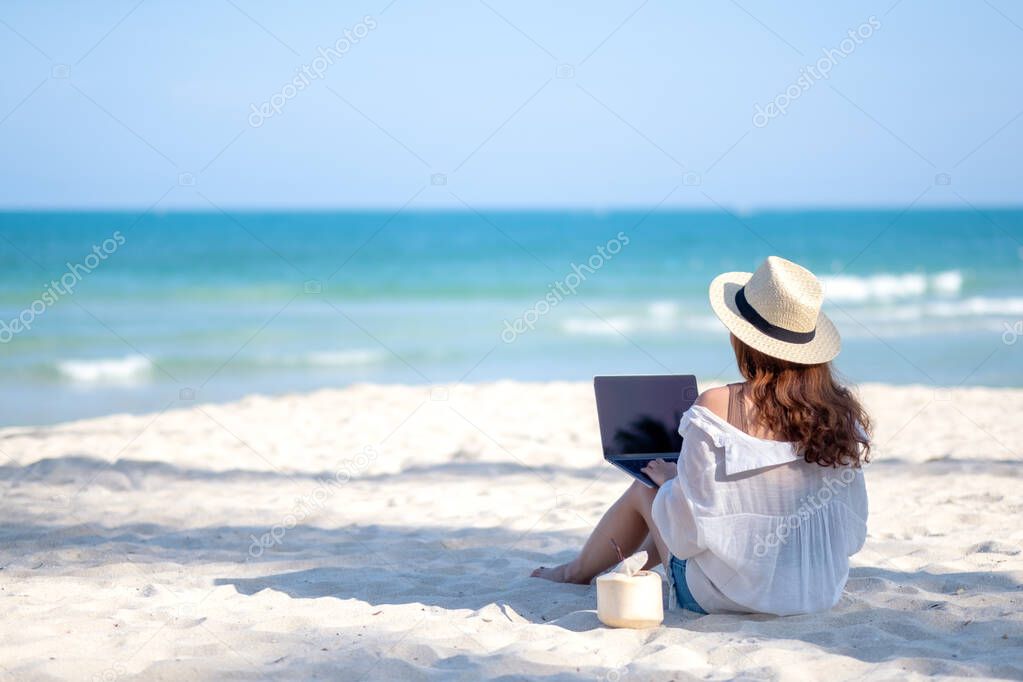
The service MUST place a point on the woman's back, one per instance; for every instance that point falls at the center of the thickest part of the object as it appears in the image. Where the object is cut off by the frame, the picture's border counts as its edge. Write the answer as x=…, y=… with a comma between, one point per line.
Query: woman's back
x=763, y=530
x=731, y=403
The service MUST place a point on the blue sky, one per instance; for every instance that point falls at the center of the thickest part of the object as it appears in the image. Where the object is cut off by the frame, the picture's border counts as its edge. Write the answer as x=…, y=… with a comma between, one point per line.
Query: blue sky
x=510, y=104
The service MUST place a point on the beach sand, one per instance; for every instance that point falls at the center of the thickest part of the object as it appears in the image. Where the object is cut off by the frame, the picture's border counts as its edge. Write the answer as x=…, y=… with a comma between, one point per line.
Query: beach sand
x=387, y=532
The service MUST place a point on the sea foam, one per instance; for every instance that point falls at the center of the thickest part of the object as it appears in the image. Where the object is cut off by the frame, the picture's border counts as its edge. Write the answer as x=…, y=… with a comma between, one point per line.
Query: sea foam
x=125, y=369
x=890, y=287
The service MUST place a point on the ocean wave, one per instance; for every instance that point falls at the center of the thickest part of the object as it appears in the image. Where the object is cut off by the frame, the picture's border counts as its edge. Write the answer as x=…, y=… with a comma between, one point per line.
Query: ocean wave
x=116, y=370
x=890, y=287
x=975, y=306
x=657, y=317
x=599, y=326
x=949, y=327
x=326, y=358
x=343, y=358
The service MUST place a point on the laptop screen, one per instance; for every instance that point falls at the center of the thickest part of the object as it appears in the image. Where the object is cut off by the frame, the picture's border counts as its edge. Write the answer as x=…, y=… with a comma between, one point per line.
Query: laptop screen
x=640, y=414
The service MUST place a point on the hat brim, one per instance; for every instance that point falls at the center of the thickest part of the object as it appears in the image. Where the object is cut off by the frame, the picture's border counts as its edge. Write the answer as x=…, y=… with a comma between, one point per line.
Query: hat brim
x=824, y=347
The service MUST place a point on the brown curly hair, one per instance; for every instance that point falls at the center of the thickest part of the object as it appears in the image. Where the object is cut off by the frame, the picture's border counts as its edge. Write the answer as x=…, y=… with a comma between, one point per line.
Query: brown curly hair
x=805, y=405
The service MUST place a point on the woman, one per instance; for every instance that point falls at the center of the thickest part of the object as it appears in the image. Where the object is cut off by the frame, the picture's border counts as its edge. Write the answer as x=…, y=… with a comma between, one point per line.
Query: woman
x=767, y=501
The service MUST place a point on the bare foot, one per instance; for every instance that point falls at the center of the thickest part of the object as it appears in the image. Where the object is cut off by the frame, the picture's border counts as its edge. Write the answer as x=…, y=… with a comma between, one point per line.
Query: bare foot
x=558, y=574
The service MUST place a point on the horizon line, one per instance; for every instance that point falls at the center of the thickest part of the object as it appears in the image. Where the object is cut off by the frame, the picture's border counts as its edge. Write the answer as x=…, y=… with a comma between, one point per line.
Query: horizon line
x=499, y=208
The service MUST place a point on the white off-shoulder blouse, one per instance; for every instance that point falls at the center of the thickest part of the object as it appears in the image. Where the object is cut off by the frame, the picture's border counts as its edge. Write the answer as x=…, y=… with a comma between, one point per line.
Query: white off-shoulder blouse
x=762, y=530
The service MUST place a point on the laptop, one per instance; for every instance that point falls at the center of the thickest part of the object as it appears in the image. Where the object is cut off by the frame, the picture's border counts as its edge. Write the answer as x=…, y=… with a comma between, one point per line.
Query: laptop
x=639, y=417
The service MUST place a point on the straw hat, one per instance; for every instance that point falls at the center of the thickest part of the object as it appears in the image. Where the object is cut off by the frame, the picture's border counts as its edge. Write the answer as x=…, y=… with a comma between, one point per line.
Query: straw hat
x=777, y=311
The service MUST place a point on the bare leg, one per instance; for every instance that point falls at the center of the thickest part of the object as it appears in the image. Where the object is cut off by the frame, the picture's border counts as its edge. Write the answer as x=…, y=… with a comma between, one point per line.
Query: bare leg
x=653, y=553
x=629, y=523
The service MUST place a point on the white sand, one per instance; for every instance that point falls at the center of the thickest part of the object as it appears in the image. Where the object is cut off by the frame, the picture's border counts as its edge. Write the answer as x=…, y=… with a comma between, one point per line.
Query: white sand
x=127, y=545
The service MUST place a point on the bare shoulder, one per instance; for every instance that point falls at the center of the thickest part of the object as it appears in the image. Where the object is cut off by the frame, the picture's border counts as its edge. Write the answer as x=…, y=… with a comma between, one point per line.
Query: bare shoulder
x=715, y=400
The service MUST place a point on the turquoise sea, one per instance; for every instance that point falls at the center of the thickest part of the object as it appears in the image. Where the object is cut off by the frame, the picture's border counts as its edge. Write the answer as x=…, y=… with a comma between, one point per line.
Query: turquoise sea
x=111, y=312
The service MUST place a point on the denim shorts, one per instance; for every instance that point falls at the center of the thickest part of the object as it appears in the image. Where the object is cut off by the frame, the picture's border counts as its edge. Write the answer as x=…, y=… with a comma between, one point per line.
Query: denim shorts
x=682, y=594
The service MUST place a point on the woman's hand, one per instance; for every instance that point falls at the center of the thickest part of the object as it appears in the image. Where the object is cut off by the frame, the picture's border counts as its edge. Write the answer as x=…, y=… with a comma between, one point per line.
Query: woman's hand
x=660, y=471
